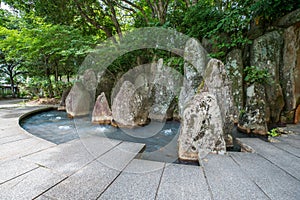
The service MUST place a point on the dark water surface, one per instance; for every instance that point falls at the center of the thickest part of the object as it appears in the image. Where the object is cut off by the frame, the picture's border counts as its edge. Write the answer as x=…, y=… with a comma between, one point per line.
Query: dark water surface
x=55, y=126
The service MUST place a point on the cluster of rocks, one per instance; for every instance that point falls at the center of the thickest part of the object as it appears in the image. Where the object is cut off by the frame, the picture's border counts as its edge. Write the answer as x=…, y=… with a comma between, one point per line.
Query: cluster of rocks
x=143, y=93
x=211, y=96
x=208, y=111
x=277, y=101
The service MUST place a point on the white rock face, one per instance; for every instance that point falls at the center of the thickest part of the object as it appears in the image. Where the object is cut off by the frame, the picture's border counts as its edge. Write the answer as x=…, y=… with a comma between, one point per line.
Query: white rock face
x=78, y=101
x=196, y=58
x=202, y=128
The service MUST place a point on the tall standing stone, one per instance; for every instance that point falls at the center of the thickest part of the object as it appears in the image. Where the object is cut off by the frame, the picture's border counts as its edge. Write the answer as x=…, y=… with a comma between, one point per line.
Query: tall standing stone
x=196, y=58
x=102, y=113
x=78, y=101
x=291, y=68
x=201, y=129
x=266, y=54
x=253, y=118
x=165, y=87
x=218, y=84
x=234, y=66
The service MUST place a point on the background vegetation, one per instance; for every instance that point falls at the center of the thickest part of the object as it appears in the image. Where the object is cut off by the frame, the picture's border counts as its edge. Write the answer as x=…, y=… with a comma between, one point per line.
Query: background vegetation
x=43, y=42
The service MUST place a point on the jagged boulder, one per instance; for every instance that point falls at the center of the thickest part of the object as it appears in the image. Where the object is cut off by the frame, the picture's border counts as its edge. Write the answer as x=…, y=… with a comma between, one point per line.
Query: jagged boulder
x=128, y=106
x=196, y=58
x=165, y=87
x=265, y=53
x=102, y=113
x=78, y=101
x=201, y=128
x=253, y=118
x=218, y=84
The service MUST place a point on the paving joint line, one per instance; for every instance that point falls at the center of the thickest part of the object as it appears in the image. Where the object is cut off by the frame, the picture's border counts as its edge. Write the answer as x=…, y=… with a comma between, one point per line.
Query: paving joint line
x=160, y=179
x=278, y=166
x=249, y=177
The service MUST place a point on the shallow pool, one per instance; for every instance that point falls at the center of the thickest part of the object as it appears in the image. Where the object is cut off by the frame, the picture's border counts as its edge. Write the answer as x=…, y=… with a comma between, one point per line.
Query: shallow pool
x=55, y=126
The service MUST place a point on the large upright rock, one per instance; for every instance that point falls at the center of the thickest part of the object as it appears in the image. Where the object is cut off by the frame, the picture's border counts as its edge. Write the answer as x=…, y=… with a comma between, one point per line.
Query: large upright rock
x=266, y=54
x=106, y=82
x=166, y=86
x=253, y=118
x=89, y=81
x=127, y=106
x=102, y=113
x=234, y=66
x=78, y=101
x=202, y=128
x=218, y=84
x=196, y=58
x=290, y=74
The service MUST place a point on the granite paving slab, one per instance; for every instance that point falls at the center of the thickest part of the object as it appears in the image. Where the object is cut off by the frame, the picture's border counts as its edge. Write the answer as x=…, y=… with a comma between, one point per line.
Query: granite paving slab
x=14, y=168
x=183, y=182
x=228, y=181
x=139, y=180
x=23, y=147
x=281, y=158
x=291, y=140
x=119, y=156
x=29, y=185
x=13, y=138
x=275, y=182
x=90, y=181
x=288, y=148
x=69, y=157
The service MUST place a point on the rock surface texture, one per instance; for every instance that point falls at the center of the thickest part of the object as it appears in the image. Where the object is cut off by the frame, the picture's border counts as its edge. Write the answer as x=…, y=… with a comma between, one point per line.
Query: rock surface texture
x=291, y=68
x=102, y=113
x=165, y=87
x=218, y=84
x=196, y=58
x=78, y=101
x=252, y=119
x=127, y=107
x=234, y=65
x=202, y=128
x=266, y=54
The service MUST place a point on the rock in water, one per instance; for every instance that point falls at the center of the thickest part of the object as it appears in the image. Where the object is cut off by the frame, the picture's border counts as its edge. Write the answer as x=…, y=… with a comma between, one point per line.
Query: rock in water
x=78, y=101
x=62, y=104
x=252, y=119
x=166, y=84
x=265, y=54
x=196, y=58
x=218, y=84
x=127, y=107
x=102, y=113
x=202, y=128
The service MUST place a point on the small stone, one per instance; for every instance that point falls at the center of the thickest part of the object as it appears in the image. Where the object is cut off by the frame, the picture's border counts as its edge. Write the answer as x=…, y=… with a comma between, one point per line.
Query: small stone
x=101, y=113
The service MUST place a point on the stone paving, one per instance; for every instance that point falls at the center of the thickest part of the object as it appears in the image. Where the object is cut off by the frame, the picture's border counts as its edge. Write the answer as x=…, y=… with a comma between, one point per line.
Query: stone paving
x=101, y=168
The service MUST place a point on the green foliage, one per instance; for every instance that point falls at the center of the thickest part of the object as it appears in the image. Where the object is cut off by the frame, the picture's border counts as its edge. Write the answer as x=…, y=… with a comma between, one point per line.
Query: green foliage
x=225, y=28
x=39, y=87
x=274, y=132
x=271, y=10
x=256, y=75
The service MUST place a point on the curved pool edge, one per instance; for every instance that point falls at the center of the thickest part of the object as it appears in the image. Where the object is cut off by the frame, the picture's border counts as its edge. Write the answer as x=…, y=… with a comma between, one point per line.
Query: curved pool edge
x=27, y=114
x=48, y=108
